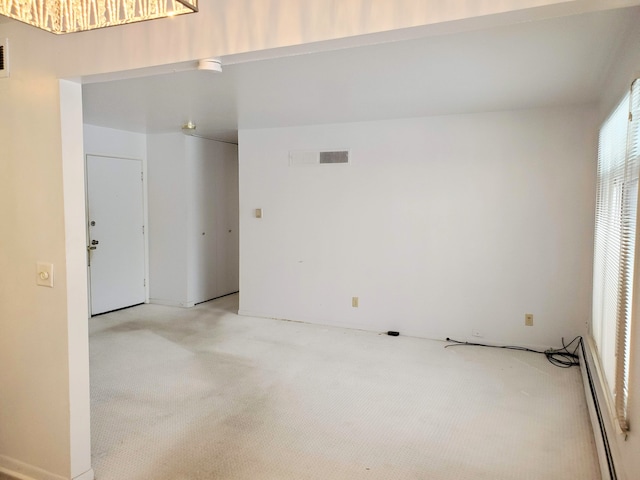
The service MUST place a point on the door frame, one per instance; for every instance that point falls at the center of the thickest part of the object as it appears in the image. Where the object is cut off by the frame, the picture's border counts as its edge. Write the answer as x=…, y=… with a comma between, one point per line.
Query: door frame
x=145, y=219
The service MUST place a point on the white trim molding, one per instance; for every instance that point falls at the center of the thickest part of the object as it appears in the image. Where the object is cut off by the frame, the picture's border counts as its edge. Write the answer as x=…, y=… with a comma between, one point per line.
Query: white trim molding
x=23, y=471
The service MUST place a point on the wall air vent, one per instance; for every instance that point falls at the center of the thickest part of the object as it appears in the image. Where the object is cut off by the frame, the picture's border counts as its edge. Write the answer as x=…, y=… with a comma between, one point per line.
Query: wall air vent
x=317, y=157
x=4, y=58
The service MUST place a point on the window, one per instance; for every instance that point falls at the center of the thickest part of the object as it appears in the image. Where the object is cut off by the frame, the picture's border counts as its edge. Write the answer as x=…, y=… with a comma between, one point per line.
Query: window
x=615, y=240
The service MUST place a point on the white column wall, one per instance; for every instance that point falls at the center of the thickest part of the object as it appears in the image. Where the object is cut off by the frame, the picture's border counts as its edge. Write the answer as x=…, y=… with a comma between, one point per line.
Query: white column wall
x=78, y=331
x=35, y=392
x=168, y=218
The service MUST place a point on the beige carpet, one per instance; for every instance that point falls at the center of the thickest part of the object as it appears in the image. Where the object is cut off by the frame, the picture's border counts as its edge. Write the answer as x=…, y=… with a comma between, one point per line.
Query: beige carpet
x=205, y=394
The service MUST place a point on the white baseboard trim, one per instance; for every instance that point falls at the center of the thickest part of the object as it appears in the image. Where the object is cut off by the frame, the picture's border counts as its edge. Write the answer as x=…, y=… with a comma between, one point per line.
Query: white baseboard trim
x=88, y=475
x=16, y=475
x=23, y=471
x=603, y=430
x=169, y=303
x=247, y=313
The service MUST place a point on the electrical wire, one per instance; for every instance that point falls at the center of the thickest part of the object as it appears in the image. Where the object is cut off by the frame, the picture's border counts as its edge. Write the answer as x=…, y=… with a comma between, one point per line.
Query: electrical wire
x=560, y=357
x=564, y=358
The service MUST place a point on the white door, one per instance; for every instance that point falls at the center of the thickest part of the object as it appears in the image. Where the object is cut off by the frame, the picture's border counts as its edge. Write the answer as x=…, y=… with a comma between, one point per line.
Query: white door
x=116, y=233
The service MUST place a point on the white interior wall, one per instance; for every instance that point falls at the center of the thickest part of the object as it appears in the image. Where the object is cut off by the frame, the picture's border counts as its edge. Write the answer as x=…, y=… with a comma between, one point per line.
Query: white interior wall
x=626, y=68
x=228, y=27
x=36, y=342
x=167, y=200
x=35, y=394
x=76, y=280
x=114, y=143
x=440, y=225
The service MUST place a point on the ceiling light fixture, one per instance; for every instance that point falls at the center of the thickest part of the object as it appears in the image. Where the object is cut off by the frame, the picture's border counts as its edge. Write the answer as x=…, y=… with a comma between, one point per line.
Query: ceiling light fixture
x=189, y=128
x=67, y=16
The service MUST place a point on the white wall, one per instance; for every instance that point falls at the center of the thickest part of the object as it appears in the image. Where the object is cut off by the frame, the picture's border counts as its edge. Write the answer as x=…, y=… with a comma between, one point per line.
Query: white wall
x=34, y=356
x=626, y=68
x=35, y=403
x=440, y=225
x=114, y=143
x=167, y=201
x=193, y=219
x=76, y=280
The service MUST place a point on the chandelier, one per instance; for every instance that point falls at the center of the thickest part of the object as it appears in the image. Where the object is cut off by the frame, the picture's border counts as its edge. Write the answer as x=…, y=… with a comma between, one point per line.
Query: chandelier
x=67, y=16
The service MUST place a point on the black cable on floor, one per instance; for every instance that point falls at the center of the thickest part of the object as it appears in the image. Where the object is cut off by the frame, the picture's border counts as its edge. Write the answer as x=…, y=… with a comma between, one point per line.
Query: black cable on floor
x=560, y=357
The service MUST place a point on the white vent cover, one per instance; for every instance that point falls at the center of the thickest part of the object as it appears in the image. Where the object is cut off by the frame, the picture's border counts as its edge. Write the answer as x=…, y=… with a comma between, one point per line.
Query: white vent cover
x=4, y=57
x=316, y=157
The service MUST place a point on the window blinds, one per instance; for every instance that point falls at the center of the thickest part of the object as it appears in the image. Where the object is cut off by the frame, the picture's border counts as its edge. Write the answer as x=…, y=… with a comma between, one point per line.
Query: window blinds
x=615, y=240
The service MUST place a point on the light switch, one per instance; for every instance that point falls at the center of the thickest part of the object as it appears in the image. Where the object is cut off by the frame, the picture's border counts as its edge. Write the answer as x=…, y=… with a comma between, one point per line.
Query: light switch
x=44, y=276
x=258, y=213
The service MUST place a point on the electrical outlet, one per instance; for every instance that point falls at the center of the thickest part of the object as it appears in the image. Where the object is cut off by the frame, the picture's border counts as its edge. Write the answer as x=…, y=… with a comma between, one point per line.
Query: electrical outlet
x=528, y=319
x=354, y=302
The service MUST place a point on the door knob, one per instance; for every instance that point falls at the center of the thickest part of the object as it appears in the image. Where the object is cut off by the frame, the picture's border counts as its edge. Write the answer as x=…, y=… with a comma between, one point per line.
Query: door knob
x=94, y=242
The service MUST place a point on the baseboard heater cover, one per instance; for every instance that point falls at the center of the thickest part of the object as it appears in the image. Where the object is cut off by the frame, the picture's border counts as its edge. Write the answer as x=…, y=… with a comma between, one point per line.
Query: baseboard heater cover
x=598, y=421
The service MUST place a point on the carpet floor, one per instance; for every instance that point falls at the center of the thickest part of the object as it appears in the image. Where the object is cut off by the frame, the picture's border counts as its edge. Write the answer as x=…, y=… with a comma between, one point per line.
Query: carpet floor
x=204, y=394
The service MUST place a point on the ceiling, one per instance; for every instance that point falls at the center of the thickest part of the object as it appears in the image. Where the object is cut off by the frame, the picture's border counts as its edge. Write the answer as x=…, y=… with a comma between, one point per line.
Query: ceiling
x=546, y=63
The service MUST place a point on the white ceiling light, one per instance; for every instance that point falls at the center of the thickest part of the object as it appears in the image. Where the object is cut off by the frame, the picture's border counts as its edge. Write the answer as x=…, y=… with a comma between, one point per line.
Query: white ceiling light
x=66, y=16
x=189, y=128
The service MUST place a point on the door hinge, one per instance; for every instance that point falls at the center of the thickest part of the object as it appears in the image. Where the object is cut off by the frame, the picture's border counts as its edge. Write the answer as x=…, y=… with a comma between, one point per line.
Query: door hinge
x=144, y=282
x=630, y=116
x=143, y=229
x=142, y=176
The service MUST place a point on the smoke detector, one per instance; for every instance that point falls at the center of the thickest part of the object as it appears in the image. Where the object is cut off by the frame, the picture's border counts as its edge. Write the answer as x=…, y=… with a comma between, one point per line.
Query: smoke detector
x=210, y=64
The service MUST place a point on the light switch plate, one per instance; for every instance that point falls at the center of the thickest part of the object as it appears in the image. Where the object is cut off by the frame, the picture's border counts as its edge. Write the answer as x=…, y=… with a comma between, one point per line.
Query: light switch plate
x=44, y=274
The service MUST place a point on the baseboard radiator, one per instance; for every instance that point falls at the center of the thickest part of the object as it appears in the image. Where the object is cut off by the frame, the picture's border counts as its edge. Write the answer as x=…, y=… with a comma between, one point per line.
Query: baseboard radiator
x=603, y=430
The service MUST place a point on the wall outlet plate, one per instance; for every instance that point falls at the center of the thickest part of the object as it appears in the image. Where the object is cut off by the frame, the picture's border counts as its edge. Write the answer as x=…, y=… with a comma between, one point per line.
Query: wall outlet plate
x=528, y=319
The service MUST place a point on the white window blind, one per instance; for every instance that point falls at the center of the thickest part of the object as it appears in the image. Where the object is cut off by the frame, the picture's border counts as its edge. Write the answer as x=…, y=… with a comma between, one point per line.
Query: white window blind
x=615, y=240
